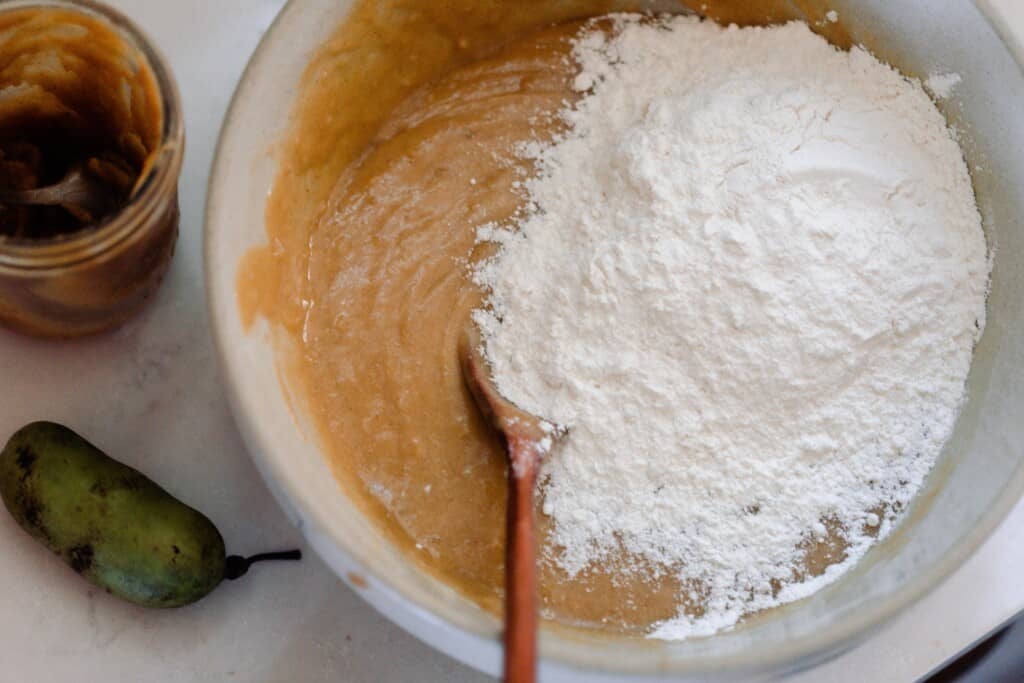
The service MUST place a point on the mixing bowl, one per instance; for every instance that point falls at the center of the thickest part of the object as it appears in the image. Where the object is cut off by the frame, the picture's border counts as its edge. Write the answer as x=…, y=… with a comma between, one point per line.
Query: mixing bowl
x=979, y=478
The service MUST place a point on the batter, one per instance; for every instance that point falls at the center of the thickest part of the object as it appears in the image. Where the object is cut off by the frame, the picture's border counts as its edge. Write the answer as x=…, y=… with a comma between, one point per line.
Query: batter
x=402, y=145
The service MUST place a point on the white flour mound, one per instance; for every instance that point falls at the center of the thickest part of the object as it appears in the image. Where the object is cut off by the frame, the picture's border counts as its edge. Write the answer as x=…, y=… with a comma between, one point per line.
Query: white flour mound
x=749, y=279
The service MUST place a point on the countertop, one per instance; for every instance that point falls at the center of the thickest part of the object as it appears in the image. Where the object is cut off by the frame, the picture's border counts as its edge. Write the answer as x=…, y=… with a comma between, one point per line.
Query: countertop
x=150, y=394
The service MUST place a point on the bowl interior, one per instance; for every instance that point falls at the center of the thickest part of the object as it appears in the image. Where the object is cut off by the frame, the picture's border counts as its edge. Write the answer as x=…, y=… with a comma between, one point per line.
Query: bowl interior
x=979, y=478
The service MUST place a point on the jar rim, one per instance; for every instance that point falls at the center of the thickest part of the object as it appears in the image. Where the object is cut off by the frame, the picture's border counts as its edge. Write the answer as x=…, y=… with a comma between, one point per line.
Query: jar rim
x=19, y=255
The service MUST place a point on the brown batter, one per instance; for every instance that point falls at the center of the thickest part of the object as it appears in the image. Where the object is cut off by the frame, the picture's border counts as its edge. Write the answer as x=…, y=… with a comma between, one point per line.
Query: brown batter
x=401, y=147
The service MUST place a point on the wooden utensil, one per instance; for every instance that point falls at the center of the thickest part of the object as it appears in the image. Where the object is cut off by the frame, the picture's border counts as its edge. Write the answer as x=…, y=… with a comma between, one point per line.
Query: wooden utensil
x=528, y=439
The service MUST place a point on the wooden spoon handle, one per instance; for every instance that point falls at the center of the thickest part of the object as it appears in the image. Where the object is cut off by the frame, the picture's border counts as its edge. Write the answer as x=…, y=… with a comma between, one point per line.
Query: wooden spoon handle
x=521, y=565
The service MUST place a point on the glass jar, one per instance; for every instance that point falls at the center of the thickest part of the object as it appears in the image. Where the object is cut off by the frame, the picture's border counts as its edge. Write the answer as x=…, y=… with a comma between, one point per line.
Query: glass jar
x=62, y=62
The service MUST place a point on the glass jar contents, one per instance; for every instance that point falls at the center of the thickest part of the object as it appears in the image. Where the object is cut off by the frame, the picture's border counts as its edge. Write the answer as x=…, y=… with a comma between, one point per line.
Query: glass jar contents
x=91, y=145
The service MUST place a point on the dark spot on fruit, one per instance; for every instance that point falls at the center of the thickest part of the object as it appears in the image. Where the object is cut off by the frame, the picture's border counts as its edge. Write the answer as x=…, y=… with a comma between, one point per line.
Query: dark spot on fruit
x=176, y=549
x=32, y=511
x=80, y=557
x=98, y=489
x=26, y=459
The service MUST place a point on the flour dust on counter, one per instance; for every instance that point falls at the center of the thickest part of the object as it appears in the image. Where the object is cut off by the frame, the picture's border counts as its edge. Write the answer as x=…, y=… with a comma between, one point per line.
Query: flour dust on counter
x=748, y=276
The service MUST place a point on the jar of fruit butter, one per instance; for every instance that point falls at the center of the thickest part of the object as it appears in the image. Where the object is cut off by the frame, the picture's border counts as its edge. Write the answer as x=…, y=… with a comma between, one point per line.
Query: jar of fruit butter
x=91, y=148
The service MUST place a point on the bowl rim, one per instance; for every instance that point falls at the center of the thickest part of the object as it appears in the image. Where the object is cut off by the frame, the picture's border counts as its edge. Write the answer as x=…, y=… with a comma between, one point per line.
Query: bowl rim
x=438, y=631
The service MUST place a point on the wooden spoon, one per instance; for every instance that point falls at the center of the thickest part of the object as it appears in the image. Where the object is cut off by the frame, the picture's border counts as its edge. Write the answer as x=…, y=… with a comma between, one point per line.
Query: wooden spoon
x=527, y=439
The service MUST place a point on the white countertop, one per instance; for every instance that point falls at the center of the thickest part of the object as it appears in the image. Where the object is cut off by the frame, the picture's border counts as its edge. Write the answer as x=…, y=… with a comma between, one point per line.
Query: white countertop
x=150, y=395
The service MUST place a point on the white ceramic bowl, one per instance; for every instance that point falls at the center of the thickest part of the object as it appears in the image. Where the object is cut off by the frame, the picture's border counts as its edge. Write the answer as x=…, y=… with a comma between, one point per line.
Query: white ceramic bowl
x=979, y=479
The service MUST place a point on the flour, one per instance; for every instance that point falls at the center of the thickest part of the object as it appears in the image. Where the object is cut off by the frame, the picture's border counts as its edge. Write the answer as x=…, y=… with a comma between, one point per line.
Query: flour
x=749, y=280
x=942, y=85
